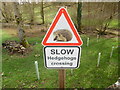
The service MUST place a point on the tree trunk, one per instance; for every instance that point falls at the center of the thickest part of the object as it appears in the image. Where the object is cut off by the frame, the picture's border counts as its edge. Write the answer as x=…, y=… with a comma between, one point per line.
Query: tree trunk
x=21, y=32
x=3, y=15
x=42, y=13
x=31, y=14
x=105, y=25
x=4, y=12
x=79, y=15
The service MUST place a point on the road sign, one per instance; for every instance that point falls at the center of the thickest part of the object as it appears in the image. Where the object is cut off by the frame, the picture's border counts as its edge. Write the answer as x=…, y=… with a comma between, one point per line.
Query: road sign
x=62, y=31
x=62, y=57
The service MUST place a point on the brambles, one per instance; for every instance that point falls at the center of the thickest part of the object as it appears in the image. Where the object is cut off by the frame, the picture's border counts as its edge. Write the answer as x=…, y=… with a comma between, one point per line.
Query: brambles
x=14, y=47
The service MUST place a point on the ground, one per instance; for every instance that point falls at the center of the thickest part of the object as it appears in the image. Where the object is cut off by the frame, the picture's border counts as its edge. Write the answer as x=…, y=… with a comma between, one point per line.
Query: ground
x=19, y=71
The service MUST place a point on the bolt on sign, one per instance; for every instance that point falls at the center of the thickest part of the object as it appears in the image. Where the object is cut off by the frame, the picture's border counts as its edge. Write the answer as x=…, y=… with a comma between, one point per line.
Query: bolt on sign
x=62, y=43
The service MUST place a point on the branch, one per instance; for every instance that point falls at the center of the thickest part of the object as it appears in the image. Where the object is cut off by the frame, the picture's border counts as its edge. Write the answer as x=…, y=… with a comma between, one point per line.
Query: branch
x=46, y=6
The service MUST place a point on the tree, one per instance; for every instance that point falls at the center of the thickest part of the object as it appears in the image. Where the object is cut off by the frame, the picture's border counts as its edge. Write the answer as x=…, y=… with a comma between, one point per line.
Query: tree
x=79, y=15
x=106, y=18
x=31, y=14
x=42, y=12
x=106, y=24
x=4, y=12
x=19, y=22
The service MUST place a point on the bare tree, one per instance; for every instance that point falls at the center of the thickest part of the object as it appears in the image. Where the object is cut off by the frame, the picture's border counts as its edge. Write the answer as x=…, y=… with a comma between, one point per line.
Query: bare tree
x=42, y=12
x=106, y=24
x=19, y=22
x=32, y=5
x=4, y=12
x=79, y=15
x=106, y=19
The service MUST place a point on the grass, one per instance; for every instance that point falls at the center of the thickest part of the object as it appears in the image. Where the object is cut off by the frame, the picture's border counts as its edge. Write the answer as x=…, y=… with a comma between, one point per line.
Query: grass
x=114, y=23
x=19, y=71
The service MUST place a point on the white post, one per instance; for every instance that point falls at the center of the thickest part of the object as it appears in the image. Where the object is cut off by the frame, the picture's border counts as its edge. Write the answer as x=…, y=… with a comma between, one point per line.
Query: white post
x=97, y=37
x=88, y=42
x=99, y=55
x=37, y=1
x=111, y=51
x=30, y=1
x=27, y=1
x=19, y=1
x=37, y=71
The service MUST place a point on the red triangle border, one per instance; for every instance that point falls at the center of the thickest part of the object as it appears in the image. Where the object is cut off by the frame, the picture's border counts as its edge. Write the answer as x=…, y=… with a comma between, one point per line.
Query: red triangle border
x=62, y=11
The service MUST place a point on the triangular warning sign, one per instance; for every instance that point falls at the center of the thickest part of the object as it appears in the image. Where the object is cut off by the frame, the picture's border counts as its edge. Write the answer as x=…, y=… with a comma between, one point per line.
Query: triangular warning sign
x=62, y=31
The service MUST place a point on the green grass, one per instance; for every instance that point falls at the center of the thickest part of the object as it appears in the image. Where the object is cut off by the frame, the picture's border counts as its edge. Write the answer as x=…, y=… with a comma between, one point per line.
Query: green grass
x=20, y=71
x=114, y=23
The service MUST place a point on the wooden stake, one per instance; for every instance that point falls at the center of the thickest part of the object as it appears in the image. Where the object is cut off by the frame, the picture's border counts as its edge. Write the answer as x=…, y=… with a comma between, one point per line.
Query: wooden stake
x=62, y=79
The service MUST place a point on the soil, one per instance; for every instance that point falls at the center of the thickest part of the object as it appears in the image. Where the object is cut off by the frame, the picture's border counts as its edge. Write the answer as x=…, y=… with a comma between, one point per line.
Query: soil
x=110, y=33
x=40, y=30
x=34, y=32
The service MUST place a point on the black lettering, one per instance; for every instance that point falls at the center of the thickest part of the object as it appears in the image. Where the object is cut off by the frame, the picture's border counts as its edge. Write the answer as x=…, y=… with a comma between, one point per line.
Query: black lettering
x=63, y=51
x=57, y=52
x=52, y=51
x=70, y=51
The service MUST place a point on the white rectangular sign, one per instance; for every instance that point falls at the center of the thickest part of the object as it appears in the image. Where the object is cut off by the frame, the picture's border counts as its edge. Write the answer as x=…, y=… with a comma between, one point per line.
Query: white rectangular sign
x=62, y=57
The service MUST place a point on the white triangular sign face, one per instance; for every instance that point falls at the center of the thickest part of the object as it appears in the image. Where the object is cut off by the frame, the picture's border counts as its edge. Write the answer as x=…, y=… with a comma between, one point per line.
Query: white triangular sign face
x=62, y=31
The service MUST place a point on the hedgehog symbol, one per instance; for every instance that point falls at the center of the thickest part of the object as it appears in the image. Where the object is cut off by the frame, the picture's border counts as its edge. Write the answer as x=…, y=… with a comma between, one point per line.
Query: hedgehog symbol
x=63, y=35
